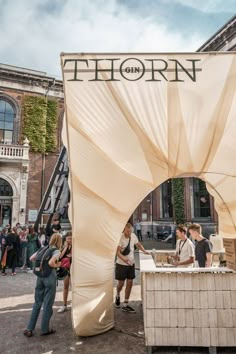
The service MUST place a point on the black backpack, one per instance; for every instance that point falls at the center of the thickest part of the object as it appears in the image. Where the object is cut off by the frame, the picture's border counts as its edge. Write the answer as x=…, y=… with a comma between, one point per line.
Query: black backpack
x=42, y=268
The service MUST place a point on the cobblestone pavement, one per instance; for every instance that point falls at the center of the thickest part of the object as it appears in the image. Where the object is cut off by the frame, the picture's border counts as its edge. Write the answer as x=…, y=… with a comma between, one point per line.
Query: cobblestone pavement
x=16, y=298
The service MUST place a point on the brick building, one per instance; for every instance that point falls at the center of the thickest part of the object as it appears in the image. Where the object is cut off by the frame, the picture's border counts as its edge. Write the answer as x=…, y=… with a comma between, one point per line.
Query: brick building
x=26, y=163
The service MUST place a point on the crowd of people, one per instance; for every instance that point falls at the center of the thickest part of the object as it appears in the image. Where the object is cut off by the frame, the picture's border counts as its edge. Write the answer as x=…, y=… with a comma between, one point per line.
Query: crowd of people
x=19, y=243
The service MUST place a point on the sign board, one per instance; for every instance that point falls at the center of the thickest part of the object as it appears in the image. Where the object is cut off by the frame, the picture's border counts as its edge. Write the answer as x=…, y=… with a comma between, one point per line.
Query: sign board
x=32, y=216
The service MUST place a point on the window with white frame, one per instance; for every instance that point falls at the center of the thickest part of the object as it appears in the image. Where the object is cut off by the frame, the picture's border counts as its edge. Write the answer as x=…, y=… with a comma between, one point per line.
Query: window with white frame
x=7, y=117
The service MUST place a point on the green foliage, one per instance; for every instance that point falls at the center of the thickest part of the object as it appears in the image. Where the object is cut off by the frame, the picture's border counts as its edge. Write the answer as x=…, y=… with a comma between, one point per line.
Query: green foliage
x=34, y=122
x=40, y=123
x=178, y=200
x=51, y=126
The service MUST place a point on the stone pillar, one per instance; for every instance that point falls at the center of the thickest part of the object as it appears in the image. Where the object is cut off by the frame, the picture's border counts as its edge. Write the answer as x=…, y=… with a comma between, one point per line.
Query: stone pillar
x=23, y=193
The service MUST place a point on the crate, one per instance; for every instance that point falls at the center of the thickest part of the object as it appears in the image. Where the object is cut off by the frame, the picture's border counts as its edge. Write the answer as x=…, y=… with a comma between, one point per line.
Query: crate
x=230, y=252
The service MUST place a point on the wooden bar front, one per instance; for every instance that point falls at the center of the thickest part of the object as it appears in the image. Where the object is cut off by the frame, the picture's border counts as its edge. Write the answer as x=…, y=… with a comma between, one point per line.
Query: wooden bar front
x=188, y=306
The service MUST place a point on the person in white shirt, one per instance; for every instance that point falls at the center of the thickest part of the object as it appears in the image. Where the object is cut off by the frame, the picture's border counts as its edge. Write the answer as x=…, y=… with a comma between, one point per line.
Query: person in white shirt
x=184, y=248
x=125, y=268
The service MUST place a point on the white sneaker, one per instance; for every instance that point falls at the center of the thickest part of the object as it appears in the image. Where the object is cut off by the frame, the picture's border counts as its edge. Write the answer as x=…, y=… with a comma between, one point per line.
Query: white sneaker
x=62, y=309
x=30, y=271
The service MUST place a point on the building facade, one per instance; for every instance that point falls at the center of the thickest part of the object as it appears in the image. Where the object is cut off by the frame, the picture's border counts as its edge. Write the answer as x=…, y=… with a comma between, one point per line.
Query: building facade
x=25, y=167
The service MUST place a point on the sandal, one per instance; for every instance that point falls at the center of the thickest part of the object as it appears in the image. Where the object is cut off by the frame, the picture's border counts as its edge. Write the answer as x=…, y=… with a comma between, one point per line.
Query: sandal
x=51, y=331
x=28, y=333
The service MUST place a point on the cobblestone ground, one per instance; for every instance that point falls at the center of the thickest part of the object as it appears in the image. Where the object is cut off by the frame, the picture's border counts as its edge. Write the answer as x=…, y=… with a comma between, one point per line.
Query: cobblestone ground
x=16, y=298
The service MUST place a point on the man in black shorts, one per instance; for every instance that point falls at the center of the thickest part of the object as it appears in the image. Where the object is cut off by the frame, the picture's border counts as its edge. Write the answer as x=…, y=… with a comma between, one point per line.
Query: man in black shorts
x=125, y=268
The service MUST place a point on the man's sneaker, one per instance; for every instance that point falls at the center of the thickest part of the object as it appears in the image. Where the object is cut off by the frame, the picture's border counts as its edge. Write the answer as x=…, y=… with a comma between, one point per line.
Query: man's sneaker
x=128, y=309
x=117, y=302
x=62, y=309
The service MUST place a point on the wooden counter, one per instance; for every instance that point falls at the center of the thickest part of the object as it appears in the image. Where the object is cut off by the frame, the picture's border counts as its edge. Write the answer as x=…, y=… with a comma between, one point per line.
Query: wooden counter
x=188, y=306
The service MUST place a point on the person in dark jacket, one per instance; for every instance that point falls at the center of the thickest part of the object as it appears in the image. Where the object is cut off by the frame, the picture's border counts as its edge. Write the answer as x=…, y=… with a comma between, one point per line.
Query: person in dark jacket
x=13, y=247
x=3, y=246
x=52, y=228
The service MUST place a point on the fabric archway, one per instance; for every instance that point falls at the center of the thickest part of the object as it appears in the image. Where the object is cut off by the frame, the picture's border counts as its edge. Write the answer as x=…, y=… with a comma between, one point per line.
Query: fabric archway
x=132, y=122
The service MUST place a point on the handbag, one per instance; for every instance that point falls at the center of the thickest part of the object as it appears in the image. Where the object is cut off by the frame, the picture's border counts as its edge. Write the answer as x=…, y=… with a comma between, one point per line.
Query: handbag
x=126, y=251
x=65, y=263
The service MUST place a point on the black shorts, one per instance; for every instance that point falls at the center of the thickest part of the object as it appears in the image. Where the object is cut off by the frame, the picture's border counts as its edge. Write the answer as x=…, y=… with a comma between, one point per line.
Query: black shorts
x=124, y=272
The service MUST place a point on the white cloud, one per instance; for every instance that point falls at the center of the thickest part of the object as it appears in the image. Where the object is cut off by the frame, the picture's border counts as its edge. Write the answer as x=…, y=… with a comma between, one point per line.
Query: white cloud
x=209, y=6
x=34, y=38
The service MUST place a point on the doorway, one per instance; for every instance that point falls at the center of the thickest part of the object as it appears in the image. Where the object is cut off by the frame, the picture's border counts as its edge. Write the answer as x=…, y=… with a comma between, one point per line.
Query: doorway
x=6, y=194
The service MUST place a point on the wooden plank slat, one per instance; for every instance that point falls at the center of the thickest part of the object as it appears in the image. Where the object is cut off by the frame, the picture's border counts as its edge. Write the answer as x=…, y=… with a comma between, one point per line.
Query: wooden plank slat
x=214, y=342
x=150, y=320
x=150, y=336
x=181, y=317
x=165, y=299
x=233, y=298
x=204, y=299
x=226, y=299
x=222, y=338
x=158, y=299
x=150, y=281
x=188, y=318
x=212, y=300
x=165, y=282
x=219, y=299
x=158, y=336
x=173, y=300
x=172, y=281
x=203, y=281
x=173, y=318
x=188, y=299
x=150, y=299
x=212, y=314
x=231, y=337
x=224, y=318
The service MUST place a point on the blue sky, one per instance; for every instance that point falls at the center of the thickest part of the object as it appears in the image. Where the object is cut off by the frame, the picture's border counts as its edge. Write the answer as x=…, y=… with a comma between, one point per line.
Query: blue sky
x=33, y=33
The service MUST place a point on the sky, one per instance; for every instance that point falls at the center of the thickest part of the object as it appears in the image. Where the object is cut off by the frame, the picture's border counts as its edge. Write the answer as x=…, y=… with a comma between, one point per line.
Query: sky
x=33, y=33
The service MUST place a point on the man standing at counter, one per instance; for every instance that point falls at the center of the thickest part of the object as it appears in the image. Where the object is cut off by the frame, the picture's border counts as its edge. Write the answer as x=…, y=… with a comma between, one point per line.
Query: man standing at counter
x=203, y=247
x=184, y=248
x=125, y=269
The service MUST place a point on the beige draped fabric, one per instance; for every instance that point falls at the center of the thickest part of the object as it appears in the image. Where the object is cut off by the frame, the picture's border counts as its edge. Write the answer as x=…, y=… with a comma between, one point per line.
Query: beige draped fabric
x=132, y=122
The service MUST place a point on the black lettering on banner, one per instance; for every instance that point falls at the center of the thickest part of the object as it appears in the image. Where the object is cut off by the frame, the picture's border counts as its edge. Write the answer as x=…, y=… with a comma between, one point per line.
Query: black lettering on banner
x=75, y=67
x=97, y=69
x=125, y=61
x=193, y=70
x=159, y=70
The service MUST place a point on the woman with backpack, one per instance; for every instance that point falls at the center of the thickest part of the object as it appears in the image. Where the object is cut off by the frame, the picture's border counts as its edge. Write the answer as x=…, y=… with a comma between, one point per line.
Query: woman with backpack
x=46, y=283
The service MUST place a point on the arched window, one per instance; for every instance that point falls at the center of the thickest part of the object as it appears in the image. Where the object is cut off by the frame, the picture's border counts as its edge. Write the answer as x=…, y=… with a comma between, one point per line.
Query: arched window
x=5, y=188
x=7, y=116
